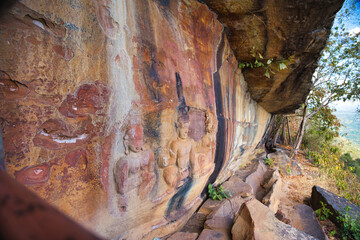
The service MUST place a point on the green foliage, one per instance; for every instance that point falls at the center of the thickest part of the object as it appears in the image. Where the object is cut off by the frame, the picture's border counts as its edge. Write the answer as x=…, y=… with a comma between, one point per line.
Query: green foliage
x=321, y=150
x=353, y=165
x=288, y=169
x=323, y=212
x=218, y=193
x=269, y=161
x=350, y=227
x=271, y=65
x=332, y=233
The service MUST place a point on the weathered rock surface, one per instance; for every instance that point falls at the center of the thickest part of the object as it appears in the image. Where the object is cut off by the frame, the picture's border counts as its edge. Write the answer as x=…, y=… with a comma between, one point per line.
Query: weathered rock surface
x=266, y=185
x=272, y=198
x=183, y=236
x=278, y=29
x=256, y=221
x=195, y=223
x=121, y=112
x=256, y=178
x=221, y=217
x=304, y=219
x=209, y=234
x=336, y=204
x=237, y=187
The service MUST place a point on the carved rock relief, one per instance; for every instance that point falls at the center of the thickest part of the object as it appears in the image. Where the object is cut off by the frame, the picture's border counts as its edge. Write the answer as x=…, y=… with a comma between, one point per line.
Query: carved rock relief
x=135, y=170
x=168, y=176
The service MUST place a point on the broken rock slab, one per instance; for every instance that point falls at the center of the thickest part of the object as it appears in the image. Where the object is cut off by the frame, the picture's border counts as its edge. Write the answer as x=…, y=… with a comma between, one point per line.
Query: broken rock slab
x=256, y=221
x=334, y=203
x=237, y=186
x=221, y=218
x=304, y=219
x=272, y=198
x=209, y=206
x=256, y=178
x=183, y=236
x=208, y=234
x=195, y=223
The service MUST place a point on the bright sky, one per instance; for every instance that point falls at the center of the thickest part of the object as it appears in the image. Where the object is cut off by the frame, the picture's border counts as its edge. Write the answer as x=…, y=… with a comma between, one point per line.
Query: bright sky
x=352, y=24
x=345, y=106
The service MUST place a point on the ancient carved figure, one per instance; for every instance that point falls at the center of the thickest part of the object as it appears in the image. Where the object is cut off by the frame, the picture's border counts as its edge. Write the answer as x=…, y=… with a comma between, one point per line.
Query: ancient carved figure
x=136, y=168
x=207, y=146
x=180, y=168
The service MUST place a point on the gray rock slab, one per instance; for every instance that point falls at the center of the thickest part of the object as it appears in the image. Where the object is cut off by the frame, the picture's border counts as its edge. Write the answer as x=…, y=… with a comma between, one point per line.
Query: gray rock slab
x=303, y=218
x=334, y=203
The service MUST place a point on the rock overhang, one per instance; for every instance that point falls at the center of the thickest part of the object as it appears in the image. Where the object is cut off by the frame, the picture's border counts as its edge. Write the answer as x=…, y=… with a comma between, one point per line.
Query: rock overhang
x=282, y=30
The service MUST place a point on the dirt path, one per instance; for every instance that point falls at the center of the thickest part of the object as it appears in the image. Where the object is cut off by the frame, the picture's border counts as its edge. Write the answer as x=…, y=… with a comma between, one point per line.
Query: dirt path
x=297, y=190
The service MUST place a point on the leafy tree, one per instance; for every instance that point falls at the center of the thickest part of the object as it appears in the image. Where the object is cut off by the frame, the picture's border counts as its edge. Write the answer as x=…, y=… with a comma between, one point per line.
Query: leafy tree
x=337, y=76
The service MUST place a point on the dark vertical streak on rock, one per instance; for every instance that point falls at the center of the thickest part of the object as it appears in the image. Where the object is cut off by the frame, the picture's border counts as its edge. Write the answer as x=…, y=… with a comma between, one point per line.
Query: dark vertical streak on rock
x=183, y=108
x=222, y=125
x=146, y=49
x=2, y=159
x=220, y=51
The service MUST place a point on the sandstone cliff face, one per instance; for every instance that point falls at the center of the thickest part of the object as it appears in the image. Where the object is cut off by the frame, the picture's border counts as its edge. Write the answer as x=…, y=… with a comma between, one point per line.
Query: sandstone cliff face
x=120, y=112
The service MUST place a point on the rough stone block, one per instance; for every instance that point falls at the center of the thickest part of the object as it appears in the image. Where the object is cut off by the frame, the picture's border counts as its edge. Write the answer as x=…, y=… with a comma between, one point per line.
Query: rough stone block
x=256, y=221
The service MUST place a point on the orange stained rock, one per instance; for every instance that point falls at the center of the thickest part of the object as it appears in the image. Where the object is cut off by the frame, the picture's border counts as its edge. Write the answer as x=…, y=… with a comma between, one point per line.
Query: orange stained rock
x=10, y=90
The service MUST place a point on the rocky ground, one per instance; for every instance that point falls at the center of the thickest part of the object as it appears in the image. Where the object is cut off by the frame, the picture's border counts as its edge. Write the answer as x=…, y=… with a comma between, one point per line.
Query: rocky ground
x=268, y=201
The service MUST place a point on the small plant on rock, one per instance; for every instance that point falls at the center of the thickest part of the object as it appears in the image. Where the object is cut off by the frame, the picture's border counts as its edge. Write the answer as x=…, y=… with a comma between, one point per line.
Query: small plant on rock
x=270, y=65
x=323, y=212
x=269, y=161
x=218, y=193
x=288, y=169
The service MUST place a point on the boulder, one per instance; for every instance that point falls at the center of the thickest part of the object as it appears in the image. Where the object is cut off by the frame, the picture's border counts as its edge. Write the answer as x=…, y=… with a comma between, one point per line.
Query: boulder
x=336, y=204
x=256, y=221
x=183, y=236
x=272, y=198
x=222, y=224
x=237, y=186
x=304, y=219
x=209, y=206
x=208, y=234
x=270, y=178
x=224, y=209
x=222, y=217
x=256, y=178
x=195, y=223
